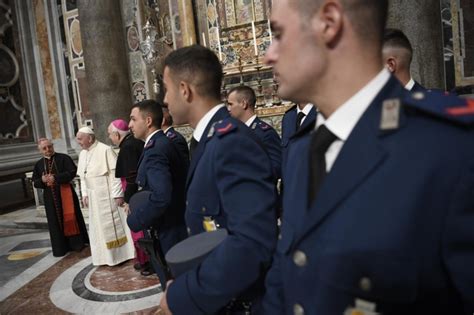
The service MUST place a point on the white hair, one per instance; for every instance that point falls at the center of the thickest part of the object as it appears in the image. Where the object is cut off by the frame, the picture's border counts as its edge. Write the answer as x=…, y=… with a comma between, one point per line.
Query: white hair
x=122, y=133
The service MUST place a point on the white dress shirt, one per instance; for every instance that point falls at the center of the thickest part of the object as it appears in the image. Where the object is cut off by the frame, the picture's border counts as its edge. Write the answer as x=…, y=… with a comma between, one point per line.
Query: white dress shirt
x=305, y=111
x=410, y=84
x=251, y=120
x=197, y=134
x=343, y=120
x=150, y=135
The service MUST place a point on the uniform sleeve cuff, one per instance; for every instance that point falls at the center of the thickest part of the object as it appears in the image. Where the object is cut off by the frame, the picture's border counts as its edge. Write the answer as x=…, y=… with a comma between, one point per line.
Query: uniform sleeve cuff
x=179, y=299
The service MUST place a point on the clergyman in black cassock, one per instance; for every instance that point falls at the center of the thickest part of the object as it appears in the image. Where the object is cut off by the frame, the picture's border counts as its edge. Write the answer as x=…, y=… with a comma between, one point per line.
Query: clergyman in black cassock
x=53, y=173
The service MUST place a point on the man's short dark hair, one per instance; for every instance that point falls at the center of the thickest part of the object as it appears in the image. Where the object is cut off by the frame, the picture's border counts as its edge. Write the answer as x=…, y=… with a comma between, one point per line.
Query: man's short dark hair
x=369, y=17
x=153, y=109
x=198, y=66
x=396, y=38
x=245, y=93
x=167, y=116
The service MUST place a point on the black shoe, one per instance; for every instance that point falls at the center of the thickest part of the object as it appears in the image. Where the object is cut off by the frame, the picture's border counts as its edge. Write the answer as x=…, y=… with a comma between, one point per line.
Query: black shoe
x=137, y=266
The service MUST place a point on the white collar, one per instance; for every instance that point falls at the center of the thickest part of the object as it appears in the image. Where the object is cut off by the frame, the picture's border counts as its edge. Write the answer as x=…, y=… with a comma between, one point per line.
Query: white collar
x=305, y=109
x=344, y=119
x=93, y=145
x=410, y=84
x=251, y=120
x=202, y=124
x=168, y=129
x=151, y=135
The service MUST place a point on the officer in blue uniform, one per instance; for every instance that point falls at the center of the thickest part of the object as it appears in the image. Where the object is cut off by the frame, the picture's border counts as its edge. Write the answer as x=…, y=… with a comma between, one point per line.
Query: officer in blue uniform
x=397, y=54
x=162, y=170
x=295, y=119
x=380, y=193
x=241, y=105
x=230, y=186
x=177, y=139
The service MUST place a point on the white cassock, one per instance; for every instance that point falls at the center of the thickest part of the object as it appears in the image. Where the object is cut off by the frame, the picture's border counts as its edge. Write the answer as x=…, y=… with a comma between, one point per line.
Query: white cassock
x=110, y=238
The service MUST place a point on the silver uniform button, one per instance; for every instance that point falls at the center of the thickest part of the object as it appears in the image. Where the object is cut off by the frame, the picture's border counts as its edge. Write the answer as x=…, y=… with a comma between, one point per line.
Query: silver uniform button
x=418, y=96
x=299, y=258
x=203, y=209
x=365, y=284
x=298, y=309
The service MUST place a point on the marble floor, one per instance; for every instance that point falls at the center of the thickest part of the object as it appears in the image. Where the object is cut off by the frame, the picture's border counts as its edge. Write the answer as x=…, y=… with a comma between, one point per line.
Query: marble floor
x=33, y=281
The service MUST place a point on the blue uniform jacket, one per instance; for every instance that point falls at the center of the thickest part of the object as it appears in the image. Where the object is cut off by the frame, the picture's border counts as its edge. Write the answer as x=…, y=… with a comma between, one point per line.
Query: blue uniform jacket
x=271, y=141
x=393, y=221
x=230, y=181
x=288, y=126
x=180, y=143
x=163, y=172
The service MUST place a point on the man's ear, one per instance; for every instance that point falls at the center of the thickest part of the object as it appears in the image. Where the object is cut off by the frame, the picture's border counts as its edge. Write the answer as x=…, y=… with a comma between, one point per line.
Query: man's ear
x=186, y=91
x=245, y=104
x=391, y=64
x=328, y=21
x=149, y=121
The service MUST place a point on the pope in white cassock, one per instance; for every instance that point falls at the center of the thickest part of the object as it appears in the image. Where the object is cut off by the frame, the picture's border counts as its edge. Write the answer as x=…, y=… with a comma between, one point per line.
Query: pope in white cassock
x=110, y=238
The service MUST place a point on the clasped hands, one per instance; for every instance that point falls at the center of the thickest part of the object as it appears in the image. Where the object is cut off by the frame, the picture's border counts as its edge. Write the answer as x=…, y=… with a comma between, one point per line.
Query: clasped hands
x=48, y=179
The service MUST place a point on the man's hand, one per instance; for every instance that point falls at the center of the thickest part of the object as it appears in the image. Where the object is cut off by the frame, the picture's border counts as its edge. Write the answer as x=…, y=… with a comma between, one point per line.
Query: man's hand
x=85, y=201
x=164, y=303
x=51, y=180
x=44, y=178
x=126, y=208
x=119, y=201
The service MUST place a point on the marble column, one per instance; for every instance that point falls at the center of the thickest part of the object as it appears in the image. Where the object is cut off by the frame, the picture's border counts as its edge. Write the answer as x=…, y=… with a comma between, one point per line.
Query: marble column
x=420, y=20
x=105, y=59
x=186, y=20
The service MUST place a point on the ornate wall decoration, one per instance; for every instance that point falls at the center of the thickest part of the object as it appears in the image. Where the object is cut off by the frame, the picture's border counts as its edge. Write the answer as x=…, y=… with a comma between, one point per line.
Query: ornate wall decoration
x=136, y=66
x=76, y=41
x=139, y=92
x=14, y=118
x=133, y=38
x=463, y=41
x=10, y=67
x=75, y=70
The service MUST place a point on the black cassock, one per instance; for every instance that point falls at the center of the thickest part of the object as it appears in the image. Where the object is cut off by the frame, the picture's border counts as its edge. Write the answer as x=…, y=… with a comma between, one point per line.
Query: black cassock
x=64, y=171
x=127, y=163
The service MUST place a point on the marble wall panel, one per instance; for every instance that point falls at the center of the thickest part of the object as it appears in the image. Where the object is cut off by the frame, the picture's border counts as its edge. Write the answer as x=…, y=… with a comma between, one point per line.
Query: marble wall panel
x=47, y=69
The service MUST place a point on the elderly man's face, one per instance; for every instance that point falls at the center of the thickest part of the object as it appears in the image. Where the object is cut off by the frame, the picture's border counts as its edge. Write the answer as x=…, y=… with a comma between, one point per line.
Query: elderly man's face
x=46, y=148
x=84, y=140
x=296, y=53
x=114, y=136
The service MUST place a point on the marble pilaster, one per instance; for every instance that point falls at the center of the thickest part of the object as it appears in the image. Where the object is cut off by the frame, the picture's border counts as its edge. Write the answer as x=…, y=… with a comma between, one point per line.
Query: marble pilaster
x=47, y=69
x=186, y=19
x=106, y=62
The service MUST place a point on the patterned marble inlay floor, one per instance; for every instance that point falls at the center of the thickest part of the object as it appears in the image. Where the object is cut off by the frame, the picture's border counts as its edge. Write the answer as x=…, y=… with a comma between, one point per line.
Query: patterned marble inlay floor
x=35, y=282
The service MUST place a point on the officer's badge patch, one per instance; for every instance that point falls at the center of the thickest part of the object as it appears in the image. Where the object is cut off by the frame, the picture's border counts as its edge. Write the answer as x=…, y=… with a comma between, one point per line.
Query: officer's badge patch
x=150, y=144
x=462, y=110
x=170, y=135
x=264, y=126
x=390, y=114
x=209, y=224
x=224, y=127
x=362, y=308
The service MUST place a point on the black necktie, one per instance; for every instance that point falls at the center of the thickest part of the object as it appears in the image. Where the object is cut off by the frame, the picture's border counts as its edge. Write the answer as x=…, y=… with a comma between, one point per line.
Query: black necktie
x=299, y=118
x=320, y=142
x=192, y=146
